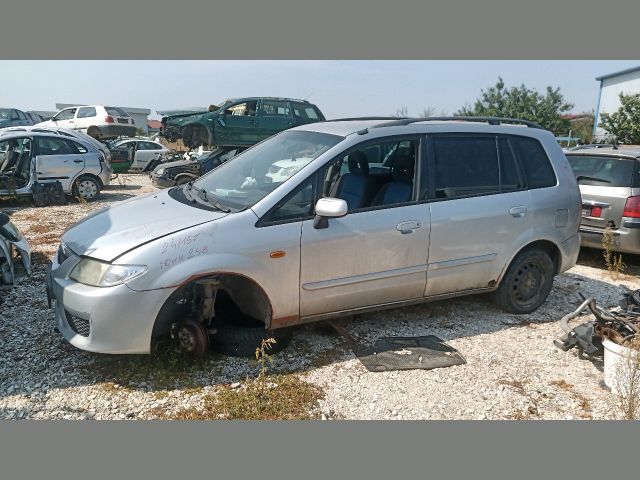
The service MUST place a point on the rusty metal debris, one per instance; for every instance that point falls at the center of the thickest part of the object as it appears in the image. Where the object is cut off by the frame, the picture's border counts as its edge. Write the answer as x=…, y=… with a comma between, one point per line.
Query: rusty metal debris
x=619, y=324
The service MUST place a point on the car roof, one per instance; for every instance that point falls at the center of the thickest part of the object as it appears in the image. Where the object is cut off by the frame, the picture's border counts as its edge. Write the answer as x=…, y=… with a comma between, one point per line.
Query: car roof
x=248, y=99
x=18, y=131
x=346, y=127
x=621, y=151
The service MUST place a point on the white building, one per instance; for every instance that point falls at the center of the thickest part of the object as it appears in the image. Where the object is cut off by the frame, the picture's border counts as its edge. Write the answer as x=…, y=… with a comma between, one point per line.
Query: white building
x=139, y=114
x=611, y=85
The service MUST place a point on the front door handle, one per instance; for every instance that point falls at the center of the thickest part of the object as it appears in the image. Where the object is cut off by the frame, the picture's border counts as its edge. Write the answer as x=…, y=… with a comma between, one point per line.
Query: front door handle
x=77, y=161
x=518, y=212
x=408, y=227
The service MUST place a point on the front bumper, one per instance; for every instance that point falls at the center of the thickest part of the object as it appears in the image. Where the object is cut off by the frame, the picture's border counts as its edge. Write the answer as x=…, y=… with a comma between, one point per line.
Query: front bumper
x=162, y=181
x=103, y=319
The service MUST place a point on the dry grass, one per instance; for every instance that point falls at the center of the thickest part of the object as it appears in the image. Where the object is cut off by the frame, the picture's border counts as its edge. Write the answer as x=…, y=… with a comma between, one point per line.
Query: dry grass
x=614, y=263
x=277, y=397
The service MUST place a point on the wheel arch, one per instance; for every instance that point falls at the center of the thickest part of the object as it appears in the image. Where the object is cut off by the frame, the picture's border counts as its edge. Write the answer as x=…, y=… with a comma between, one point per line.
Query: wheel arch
x=544, y=244
x=244, y=291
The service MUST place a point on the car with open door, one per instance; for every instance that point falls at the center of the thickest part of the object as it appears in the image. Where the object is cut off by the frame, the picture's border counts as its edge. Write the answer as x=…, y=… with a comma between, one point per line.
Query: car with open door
x=35, y=156
x=146, y=153
x=377, y=213
x=13, y=245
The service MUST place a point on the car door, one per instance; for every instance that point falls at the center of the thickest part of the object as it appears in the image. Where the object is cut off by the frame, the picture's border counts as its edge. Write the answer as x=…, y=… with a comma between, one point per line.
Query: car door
x=480, y=210
x=146, y=152
x=377, y=253
x=237, y=125
x=273, y=117
x=58, y=159
x=65, y=118
x=85, y=117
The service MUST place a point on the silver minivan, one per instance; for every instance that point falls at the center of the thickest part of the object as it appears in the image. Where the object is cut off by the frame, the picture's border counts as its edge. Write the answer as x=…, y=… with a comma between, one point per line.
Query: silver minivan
x=322, y=221
x=44, y=155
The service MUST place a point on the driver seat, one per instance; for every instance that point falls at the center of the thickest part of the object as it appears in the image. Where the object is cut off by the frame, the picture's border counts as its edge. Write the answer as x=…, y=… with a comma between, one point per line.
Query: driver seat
x=355, y=187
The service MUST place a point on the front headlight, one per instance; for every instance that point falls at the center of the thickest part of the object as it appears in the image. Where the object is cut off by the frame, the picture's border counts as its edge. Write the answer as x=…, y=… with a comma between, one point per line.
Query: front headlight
x=100, y=274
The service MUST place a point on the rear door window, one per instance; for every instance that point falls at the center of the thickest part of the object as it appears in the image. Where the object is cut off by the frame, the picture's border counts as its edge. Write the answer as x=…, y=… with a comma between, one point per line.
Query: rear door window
x=86, y=112
x=464, y=166
x=601, y=170
x=58, y=146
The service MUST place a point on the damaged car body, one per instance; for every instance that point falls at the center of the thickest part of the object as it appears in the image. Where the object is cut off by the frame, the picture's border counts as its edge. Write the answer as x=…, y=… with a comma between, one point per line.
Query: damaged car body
x=322, y=221
x=239, y=122
x=47, y=163
x=12, y=242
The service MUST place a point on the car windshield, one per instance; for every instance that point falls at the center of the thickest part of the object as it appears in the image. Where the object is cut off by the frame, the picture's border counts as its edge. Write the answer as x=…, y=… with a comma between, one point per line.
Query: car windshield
x=252, y=175
x=601, y=170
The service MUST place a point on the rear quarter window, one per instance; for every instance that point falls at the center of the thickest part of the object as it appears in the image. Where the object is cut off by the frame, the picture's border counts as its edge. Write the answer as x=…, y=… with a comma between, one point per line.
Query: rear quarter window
x=535, y=162
x=604, y=171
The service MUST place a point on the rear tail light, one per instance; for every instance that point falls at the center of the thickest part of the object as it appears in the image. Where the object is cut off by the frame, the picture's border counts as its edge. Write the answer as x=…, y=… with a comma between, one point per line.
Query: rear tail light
x=632, y=207
x=109, y=119
x=596, y=211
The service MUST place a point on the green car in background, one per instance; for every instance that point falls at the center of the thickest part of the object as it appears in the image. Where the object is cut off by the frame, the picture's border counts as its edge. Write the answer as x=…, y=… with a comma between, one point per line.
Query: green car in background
x=239, y=122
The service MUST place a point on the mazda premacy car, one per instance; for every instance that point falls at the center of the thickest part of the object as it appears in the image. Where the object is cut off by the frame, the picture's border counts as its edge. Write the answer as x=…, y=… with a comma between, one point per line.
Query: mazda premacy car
x=321, y=221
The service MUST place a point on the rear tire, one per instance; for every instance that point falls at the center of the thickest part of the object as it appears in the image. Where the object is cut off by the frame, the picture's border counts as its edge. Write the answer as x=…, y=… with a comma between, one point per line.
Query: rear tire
x=241, y=337
x=94, y=132
x=86, y=187
x=527, y=283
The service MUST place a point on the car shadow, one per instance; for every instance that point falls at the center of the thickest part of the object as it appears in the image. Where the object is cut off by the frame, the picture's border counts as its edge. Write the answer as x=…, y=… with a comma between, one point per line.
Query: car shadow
x=52, y=363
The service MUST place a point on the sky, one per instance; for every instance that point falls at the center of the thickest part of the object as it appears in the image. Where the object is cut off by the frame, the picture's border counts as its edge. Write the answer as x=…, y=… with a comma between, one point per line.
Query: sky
x=340, y=88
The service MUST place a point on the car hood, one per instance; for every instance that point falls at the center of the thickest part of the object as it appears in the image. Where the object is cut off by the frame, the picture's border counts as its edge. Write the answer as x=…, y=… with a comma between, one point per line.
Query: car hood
x=177, y=163
x=109, y=233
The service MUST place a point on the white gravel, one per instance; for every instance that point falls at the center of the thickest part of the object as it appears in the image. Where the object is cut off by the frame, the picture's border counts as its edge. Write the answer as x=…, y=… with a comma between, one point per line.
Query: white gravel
x=512, y=371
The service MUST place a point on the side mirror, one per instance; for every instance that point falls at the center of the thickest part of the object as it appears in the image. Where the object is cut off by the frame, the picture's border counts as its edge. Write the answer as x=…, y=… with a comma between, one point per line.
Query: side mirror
x=327, y=208
x=4, y=219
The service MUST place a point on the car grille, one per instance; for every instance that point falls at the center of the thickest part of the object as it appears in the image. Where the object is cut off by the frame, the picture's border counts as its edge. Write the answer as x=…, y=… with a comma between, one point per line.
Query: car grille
x=78, y=325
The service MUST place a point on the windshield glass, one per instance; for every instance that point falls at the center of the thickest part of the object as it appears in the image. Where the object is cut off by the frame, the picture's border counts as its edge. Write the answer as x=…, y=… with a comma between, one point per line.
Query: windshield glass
x=252, y=175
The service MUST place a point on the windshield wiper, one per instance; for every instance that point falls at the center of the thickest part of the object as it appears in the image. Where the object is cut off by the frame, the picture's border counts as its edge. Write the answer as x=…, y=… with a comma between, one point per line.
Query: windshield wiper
x=212, y=201
x=593, y=179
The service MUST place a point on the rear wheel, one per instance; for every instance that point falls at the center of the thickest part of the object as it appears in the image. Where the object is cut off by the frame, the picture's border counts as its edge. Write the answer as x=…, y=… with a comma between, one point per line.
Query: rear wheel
x=86, y=188
x=527, y=283
x=94, y=132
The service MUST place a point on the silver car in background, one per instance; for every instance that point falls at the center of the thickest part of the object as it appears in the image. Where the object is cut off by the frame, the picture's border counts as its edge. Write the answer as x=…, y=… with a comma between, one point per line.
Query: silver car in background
x=33, y=154
x=609, y=179
x=370, y=214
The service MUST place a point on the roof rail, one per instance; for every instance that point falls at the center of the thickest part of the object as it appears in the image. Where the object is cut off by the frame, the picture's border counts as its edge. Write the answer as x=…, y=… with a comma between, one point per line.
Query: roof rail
x=489, y=120
x=353, y=119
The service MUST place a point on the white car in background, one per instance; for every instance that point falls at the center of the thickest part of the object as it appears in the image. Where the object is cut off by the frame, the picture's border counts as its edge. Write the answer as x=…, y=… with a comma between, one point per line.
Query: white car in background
x=147, y=152
x=97, y=121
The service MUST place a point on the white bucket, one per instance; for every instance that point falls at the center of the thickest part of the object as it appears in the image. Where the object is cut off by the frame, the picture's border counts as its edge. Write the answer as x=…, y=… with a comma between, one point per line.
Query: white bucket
x=617, y=365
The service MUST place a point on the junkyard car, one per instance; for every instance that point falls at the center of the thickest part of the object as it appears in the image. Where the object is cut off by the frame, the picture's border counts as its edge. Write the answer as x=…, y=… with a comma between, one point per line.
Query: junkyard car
x=146, y=152
x=37, y=155
x=12, y=241
x=609, y=179
x=179, y=172
x=240, y=122
x=377, y=214
x=98, y=121
x=10, y=117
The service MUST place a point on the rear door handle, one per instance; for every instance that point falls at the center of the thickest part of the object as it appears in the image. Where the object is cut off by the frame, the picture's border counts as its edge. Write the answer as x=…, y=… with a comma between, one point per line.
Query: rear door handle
x=408, y=227
x=518, y=212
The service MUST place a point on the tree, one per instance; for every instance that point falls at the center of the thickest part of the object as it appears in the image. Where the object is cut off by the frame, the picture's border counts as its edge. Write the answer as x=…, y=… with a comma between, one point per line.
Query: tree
x=402, y=112
x=522, y=103
x=625, y=123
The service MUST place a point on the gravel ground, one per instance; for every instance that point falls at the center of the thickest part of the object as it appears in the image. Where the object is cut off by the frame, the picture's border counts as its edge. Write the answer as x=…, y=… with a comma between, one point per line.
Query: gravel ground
x=513, y=371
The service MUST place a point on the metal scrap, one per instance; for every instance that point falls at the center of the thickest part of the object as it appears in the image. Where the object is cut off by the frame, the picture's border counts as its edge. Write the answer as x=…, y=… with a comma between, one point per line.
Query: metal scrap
x=619, y=324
